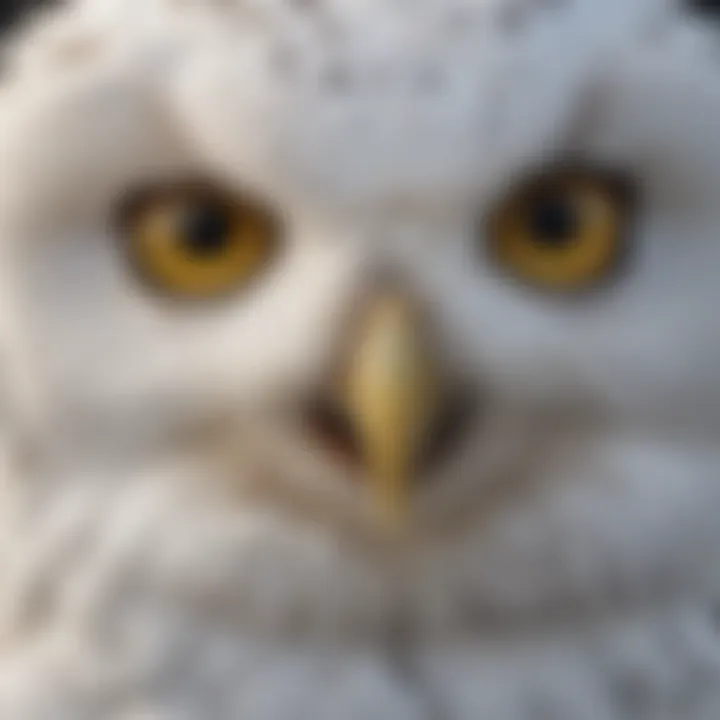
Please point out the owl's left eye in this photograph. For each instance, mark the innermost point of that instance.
(197, 242)
(563, 231)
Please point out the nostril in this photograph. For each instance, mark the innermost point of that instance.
(449, 432)
(334, 430)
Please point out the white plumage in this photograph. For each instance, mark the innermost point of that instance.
(176, 544)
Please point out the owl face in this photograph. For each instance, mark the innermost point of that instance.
(376, 306)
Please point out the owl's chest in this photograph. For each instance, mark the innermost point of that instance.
(645, 672)
(649, 668)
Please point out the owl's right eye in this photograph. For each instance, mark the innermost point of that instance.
(563, 231)
(197, 242)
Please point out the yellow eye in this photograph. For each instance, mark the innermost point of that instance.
(564, 232)
(196, 242)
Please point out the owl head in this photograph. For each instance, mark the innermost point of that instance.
(332, 308)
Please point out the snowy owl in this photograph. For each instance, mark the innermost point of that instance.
(359, 361)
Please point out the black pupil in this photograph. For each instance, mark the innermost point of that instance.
(554, 222)
(205, 230)
(707, 7)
